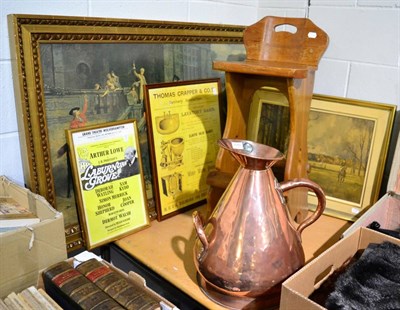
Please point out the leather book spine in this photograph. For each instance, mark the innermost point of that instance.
(128, 294)
(71, 290)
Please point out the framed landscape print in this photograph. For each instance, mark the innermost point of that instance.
(102, 64)
(347, 145)
(108, 177)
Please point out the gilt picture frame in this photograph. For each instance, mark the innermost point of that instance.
(347, 139)
(184, 126)
(62, 59)
(108, 180)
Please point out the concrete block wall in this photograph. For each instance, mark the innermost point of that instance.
(362, 60)
(363, 56)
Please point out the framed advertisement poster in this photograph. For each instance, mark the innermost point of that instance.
(108, 180)
(184, 127)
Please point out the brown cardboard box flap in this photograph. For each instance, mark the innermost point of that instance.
(297, 288)
(24, 251)
(386, 212)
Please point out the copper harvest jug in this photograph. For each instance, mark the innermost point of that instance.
(249, 244)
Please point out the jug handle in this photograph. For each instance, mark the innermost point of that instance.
(198, 225)
(302, 182)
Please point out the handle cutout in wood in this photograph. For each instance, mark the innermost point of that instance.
(286, 28)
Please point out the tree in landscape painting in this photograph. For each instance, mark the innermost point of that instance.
(359, 143)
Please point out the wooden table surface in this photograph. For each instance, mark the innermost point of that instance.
(167, 249)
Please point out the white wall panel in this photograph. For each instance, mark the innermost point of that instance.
(336, 3)
(331, 77)
(222, 13)
(301, 12)
(10, 158)
(8, 116)
(374, 83)
(362, 35)
(252, 3)
(283, 3)
(176, 10)
(379, 3)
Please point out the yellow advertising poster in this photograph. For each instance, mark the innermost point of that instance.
(107, 174)
(185, 128)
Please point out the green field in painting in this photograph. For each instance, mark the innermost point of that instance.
(326, 175)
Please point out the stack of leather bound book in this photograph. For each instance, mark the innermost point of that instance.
(95, 285)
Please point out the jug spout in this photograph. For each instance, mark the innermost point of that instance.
(251, 155)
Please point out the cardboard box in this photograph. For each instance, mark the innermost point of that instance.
(386, 211)
(297, 288)
(132, 277)
(25, 251)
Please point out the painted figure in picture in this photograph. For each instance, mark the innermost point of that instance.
(175, 78)
(132, 96)
(110, 86)
(115, 80)
(141, 81)
(78, 120)
(342, 173)
(79, 117)
(132, 165)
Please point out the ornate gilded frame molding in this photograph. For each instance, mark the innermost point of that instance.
(28, 32)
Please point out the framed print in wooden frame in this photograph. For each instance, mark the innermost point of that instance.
(61, 59)
(108, 180)
(348, 142)
(184, 126)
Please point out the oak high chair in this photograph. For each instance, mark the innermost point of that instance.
(282, 53)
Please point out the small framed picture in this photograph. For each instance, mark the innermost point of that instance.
(107, 172)
(184, 126)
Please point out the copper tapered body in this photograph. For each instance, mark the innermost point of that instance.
(248, 245)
